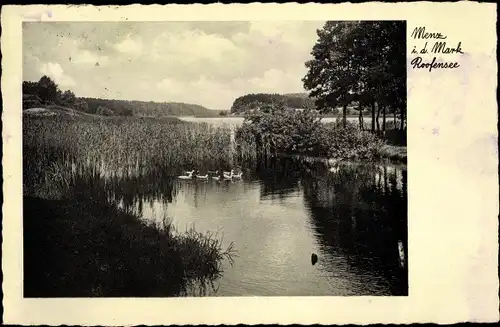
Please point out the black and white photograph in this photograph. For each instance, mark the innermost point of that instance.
(226, 164)
(214, 158)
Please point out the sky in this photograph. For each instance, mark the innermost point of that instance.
(205, 63)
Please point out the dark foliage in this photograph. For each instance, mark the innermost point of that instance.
(360, 61)
(260, 101)
(302, 132)
(46, 92)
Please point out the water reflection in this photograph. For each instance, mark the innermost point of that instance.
(359, 216)
(351, 215)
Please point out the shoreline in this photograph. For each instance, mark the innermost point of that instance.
(392, 154)
(110, 249)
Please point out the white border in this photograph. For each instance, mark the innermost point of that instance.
(452, 179)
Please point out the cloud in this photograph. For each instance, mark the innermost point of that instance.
(274, 80)
(191, 46)
(212, 93)
(56, 72)
(206, 63)
(172, 87)
(129, 46)
(90, 58)
(203, 91)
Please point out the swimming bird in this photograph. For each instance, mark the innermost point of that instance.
(217, 175)
(202, 176)
(314, 258)
(189, 175)
(237, 176)
(228, 175)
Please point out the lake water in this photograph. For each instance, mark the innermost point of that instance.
(237, 121)
(352, 216)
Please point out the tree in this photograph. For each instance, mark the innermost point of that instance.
(331, 78)
(257, 101)
(104, 111)
(67, 98)
(81, 104)
(30, 88)
(363, 61)
(47, 90)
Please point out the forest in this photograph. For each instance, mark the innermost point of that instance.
(46, 92)
(260, 101)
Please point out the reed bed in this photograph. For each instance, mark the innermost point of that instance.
(76, 171)
(130, 144)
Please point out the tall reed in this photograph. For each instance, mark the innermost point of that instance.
(125, 145)
(77, 171)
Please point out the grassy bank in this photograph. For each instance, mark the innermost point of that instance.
(82, 249)
(77, 241)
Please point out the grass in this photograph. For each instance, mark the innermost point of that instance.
(77, 241)
(395, 153)
(126, 144)
(84, 249)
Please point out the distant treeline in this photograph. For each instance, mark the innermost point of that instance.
(261, 101)
(150, 108)
(46, 92)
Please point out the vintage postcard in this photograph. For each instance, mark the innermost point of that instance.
(262, 163)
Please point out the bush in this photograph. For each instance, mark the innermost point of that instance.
(302, 133)
(350, 142)
(104, 111)
(282, 131)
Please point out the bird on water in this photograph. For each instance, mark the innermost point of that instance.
(314, 258)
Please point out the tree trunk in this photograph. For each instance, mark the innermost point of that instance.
(383, 119)
(378, 115)
(395, 119)
(361, 122)
(344, 115)
(373, 116)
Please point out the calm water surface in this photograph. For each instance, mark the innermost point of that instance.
(352, 216)
(237, 121)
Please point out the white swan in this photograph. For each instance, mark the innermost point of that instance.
(188, 176)
(217, 176)
(237, 176)
(228, 175)
(202, 176)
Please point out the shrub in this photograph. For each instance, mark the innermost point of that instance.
(302, 133)
(350, 142)
(104, 111)
(282, 131)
